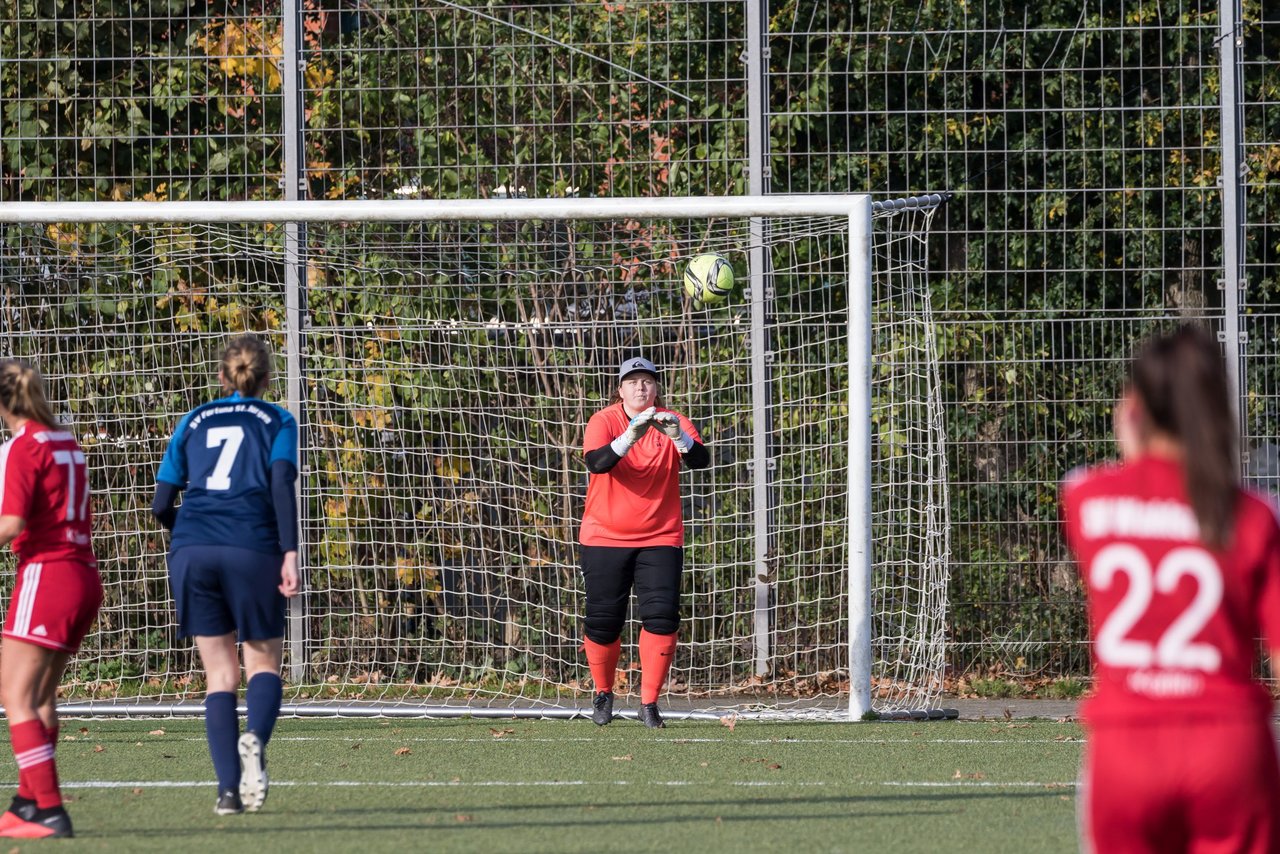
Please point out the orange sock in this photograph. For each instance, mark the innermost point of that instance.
(603, 660)
(656, 654)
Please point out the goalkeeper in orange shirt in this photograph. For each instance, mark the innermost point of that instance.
(632, 532)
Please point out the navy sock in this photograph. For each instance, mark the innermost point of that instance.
(222, 728)
(263, 699)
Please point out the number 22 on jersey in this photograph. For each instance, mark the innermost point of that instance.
(1175, 648)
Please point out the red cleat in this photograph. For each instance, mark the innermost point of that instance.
(46, 824)
(20, 810)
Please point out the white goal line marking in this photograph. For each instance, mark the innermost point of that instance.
(484, 784)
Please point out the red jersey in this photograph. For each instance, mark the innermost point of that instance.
(1174, 623)
(637, 502)
(43, 480)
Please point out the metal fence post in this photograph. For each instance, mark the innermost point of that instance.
(761, 423)
(295, 315)
(1233, 342)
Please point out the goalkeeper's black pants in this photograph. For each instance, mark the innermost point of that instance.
(610, 573)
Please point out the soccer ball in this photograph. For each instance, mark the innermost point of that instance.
(708, 278)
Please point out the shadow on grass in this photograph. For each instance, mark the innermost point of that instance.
(722, 810)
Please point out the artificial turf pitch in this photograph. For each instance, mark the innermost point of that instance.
(563, 786)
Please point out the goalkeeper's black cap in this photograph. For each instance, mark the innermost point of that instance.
(634, 365)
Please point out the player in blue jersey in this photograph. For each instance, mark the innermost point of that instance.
(233, 558)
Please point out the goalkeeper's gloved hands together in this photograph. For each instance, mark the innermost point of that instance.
(640, 425)
(669, 423)
(636, 428)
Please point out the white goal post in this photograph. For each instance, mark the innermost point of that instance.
(441, 358)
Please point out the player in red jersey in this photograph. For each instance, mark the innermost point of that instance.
(632, 532)
(45, 514)
(1182, 575)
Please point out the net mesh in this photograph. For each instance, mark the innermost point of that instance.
(448, 370)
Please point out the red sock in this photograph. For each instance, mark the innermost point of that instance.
(603, 660)
(52, 735)
(34, 753)
(24, 785)
(656, 654)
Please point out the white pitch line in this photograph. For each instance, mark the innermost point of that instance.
(975, 784)
(487, 784)
(514, 739)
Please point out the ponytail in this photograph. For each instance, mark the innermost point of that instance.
(22, 392)
(1181, 381)
(246, 365)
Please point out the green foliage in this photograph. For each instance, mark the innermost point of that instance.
(1064, 689)
(109, 104)
(997, 689)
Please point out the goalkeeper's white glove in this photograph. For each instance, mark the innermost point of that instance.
(669, 423)
(636, 428)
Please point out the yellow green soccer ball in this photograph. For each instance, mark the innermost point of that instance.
(708, 278)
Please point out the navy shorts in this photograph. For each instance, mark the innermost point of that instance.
(221, 589)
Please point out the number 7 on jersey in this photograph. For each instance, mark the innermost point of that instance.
(74, 462)
(229, 438)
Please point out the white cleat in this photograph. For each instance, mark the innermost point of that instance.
(253, 776)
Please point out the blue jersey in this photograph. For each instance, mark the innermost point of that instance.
(221, 454)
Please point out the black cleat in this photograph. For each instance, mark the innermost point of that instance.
(649, 716)
(602, 708)
(228, 803)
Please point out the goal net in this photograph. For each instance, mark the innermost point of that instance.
(442, 371)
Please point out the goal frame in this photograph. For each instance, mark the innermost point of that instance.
(859, 209)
